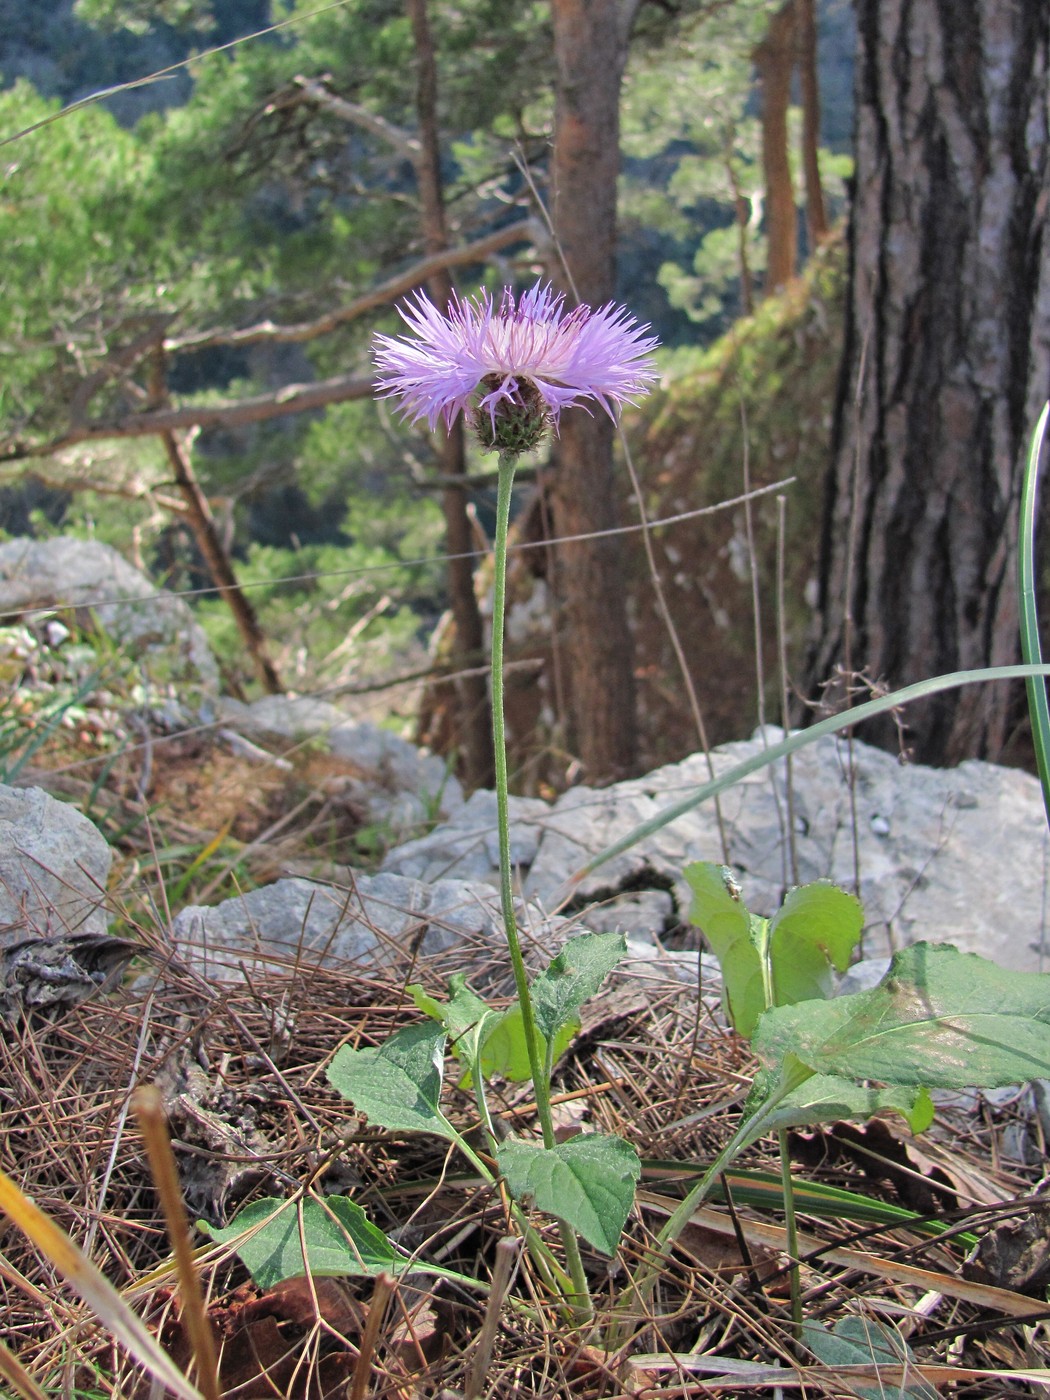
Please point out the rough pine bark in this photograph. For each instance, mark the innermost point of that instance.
(590, 42)
(947, 357)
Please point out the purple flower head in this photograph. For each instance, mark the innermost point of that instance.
(529, 359)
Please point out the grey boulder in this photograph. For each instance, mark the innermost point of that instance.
(54, 864)
(376, 922)
(93, 581)
(955, 855)
(393, 782)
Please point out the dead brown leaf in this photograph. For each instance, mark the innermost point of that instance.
(295, 1340)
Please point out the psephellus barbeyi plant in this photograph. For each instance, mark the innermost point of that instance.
(512, 369)
(938, 1019)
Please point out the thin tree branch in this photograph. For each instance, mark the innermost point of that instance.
(202, 524)
(138, 492)
(117, 362)
(414, 276)
(290, 399)
(402, 141)
(293, 398)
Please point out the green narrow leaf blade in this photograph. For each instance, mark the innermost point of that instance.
(939, 1018)
(340, 1240)
(1031, 650)
(724, 921)
(396, 1085)
(588, 1182)
(765, 1190)
(816, 929)
(573, 978)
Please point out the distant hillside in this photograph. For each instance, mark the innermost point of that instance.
(63, 57)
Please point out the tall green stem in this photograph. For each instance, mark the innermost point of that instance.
(634, 1299)
(540, 1078)
(550, 1271)
(765, 952)
(792, 1075)
(507, 463)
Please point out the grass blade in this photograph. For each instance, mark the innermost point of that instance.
(17, 1377)
(934, 686)
(1038, 708)
(764, 1190)
(96, 1290)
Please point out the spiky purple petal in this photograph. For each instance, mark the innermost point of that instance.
(569, 357)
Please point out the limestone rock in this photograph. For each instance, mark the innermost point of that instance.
(92, 579)
(958, 855)
(381, 921)
(468, 845)
(54, 865)
(394, 782)
(54, 947)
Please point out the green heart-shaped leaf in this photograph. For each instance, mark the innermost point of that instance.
(862, 1341)
(396, 1085)
(723, 919)
(815, 929)
(573, 978)
(588, 1182)
(340, 1240)
(826, 1098)
(939, 1018)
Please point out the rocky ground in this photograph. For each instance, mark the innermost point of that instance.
(213, 894)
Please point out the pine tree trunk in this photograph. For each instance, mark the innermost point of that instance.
(775, 62)
(590, 40)
(742, 218)
(947, 358)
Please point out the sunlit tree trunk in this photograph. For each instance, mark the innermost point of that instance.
(590, 41)
(947, 357)
(742, 219)
(775, 62)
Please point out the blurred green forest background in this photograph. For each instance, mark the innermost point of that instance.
(194, 266)
(218, 194)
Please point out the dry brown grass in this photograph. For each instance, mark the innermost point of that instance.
(251, 1114)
